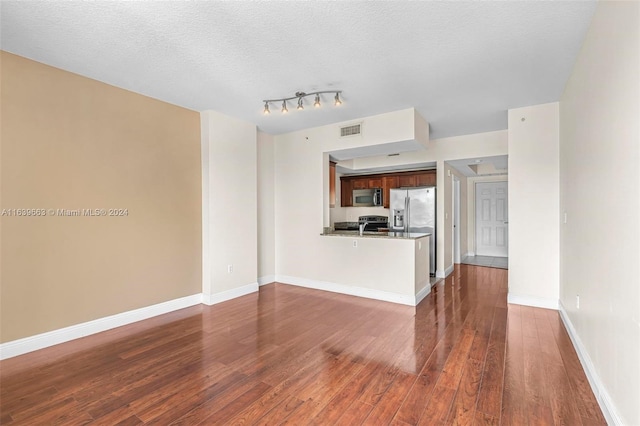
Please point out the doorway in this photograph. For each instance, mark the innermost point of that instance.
(492, 219)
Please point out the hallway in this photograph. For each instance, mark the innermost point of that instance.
(488, 261)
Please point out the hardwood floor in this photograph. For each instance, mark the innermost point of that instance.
(295, 356)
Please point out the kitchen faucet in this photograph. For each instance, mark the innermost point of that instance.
(362, 226)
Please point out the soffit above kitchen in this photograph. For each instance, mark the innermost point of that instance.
(481, 166)
(461, 65)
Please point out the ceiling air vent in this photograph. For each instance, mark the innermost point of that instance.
(352, 130)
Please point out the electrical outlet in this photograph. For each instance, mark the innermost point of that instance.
(577, 301)
(419, 245)
(355, 243)
(229, 268)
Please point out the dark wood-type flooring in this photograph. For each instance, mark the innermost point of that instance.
(290, 355)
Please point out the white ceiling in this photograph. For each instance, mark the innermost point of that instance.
(460, 64)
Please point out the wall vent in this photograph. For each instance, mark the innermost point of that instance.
(352, 130)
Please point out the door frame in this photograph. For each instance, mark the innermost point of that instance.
(456, 220)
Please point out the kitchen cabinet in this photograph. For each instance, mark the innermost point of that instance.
(375, 182)
(332, 184)
(407, 181)
(346, 192)
(388, 182)
(360, 183)
(426, 179)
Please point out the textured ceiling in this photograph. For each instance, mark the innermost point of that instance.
(460, 64)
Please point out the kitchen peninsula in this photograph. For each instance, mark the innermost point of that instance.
(391, 266)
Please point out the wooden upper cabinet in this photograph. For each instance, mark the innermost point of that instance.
(375, 183)
(346, 193)
(332, 184)
(426, 179)
(407, 181)
(388, 182)
(360, 183)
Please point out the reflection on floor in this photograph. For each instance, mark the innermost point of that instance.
(489, 261)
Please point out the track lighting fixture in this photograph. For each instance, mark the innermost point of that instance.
(300, 97)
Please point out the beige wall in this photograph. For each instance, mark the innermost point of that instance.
(534, 216)
(69, 142)
(266, 208)
(600, 192)
(229, 207)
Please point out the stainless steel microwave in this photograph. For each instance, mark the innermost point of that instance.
(367, 197)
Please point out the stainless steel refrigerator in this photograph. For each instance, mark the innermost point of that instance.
(414, 210)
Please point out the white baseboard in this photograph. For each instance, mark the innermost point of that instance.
(424, 292)
(536, 302)
(267, 279)
(223, 296)
(50, 338)
(599, 390)
(449, 270)
(347, 289)
(446, 273)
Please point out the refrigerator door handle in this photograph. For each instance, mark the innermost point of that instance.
(407, 213)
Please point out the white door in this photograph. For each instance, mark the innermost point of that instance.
(492, 219)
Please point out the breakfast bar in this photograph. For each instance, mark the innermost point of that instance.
(391, 266)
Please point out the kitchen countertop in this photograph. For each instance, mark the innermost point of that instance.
(371, 234)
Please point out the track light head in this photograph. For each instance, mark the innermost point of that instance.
(337, 98)
(266, 108)
(317, 102)
(284, 107)
(300, 106)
